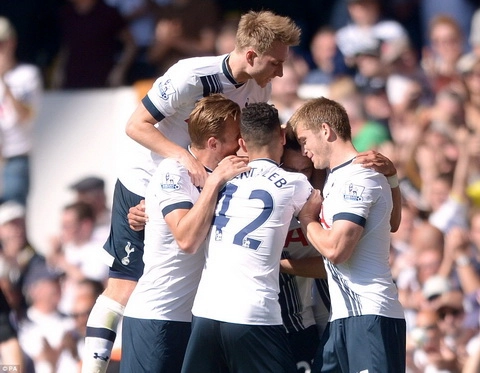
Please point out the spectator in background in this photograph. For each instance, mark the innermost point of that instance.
(367, 134)
(367, 24)
(453, 323)
(41, 334)
(446, 46)
(141, 18)
(285, 93)
(10, 351)
(75, 254)
(20, 92)
(370, 78)
(19, 261)
(424, 262)
(462, 263)
(327, 59)
(91, 32)
(469, 68)
(427, 350)
(227, 33)
(444, 177)
(474, 37)
(185, 28)
(91, 190)
(71, 350)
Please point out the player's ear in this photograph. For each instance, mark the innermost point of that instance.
(242, 144)
(251, 54)
(212, 143)
(283, 133)
(327, 131)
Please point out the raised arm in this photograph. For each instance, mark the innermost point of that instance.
(140, 127)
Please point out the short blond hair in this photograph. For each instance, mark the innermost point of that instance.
(208, 118)
(320, 110)
(260, 29)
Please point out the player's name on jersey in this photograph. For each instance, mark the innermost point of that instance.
(273, 176)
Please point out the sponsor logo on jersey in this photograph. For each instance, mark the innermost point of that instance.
(170, 182)
(166, 89)
(352, 192)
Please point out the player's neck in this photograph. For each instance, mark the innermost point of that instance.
(205, 156)
(341, 153)
(264, 154)
(235, 64)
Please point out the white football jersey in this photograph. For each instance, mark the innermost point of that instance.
(240, 281)
(26, 85)
(362, 285)
(296, 298)
(171, 100)
(169, 282)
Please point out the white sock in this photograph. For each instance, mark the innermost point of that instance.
(102, 327)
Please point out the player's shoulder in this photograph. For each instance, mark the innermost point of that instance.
(198, 66)
(364, 174)
(170, 176)
(169, 166)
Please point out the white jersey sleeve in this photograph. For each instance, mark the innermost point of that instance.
(169, 282)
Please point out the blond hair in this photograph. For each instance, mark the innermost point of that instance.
(260, 29)
(208, 118)
(322, 110)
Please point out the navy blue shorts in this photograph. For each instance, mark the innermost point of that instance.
(304, 344)
(124, 244)
(218, 347)
(153, 345)
(362, 343)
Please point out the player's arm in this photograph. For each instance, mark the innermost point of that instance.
(137, 218)
(336, 244)
(305, 267)
(380, 163)
(140, 127)
(190, 226)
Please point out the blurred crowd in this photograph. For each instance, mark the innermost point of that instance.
(407, 72)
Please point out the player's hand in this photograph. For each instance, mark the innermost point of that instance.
(228, 168)
(311, 210)
(196, 170)
(137, 217)
(376, 161)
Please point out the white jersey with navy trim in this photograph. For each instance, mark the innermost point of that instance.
(240, 281)
(171, 100)
(362, 285)
(296, 297)
(169, 282)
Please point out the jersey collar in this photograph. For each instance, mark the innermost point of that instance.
(342, 165)
(194, 156)
(228, 74)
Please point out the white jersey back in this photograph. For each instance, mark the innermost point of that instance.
(362, 285)
(171, 100)
(169, 282)
(240, 281)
